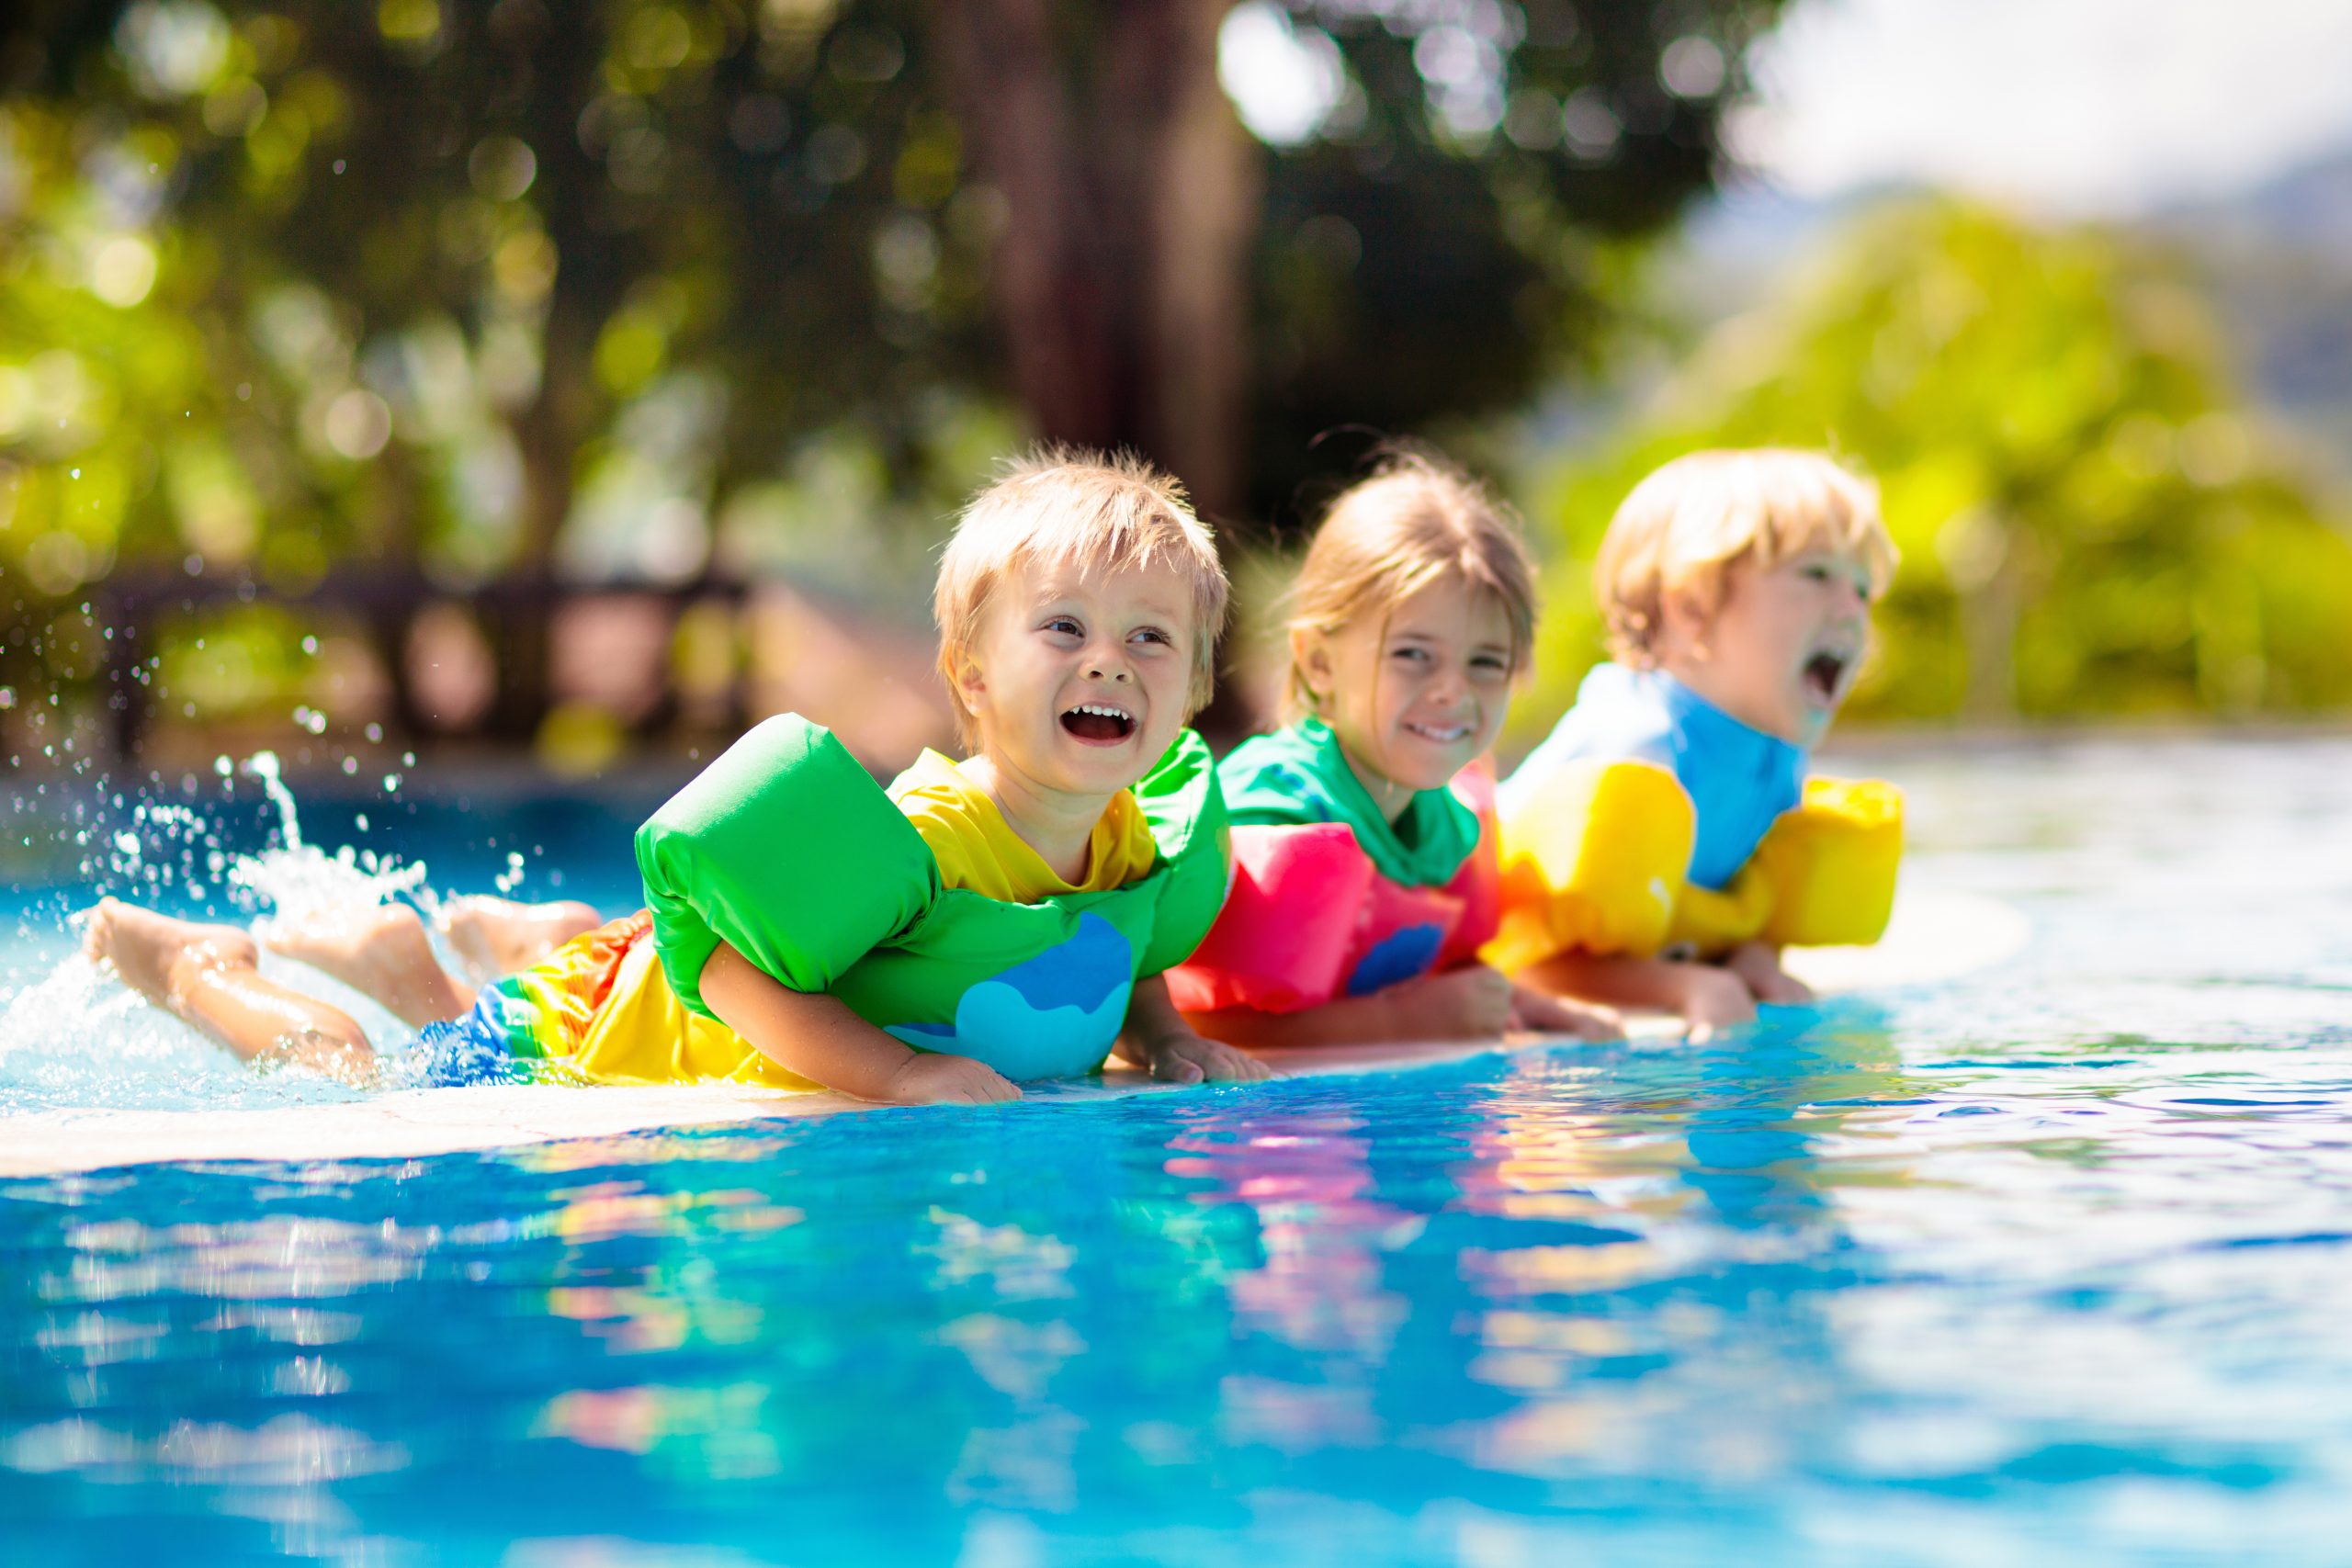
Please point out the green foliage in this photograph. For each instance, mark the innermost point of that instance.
(480, 287)
(2089, 524)
(1465, 223)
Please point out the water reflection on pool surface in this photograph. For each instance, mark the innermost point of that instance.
(2045, 1265)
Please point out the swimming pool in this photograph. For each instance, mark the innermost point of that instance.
(2045, 1266)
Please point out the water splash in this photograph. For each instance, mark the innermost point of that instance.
(76, 1037)
(297, 881)
(79, 1038)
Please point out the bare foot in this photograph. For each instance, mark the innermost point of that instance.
(154, 955)
(499, 936)
(380, 951)
(204, 976)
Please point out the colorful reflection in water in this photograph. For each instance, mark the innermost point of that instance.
(2047, 1266)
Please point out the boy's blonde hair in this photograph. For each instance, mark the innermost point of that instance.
(1387, 537)
(1685, 526)
(1061, 506)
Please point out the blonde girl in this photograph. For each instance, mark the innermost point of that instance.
(1365, 873)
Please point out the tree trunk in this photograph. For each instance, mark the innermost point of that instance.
(549, 429)
(549, 433)
(1202, 194)
(1131, 195)
(395, 548)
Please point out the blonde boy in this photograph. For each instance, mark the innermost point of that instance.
(980, 923)
(1078, 603)
(1662, 844)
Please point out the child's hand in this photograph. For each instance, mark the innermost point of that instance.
(931, 1077)
(1473, 1002)
(1534, 1012)
(1759, 964)
(1714, 1000)
(1188, 1058)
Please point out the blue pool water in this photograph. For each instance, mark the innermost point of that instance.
(2050, 1265)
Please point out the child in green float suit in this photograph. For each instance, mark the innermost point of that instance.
(1000, 919)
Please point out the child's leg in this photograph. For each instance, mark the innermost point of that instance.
(498, 936)
(382, 951)
(205, 975)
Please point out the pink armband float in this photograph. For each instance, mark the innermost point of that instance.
(1309, 919)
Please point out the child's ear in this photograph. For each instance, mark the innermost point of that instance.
(968, 684)
(1686, 620)
(1311, 657)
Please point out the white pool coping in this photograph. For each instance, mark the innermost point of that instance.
(1932, 938)
(417, 1123)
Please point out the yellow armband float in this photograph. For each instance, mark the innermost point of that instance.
(1710, 920)
(1832, 863)
(1598, 862)
(1593, 861)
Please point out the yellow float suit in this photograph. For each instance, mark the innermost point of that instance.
(1653, 822)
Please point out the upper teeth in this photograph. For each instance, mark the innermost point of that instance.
(1101, 709)
(1442, 731)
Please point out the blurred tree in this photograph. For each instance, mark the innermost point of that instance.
(469, 282)
(2090, 524)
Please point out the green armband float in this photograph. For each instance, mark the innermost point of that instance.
(785, 849)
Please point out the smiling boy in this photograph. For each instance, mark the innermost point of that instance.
(979, 924)
(1001, 918)
(1664, 843)
(1078, 603)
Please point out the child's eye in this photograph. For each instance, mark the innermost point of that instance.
(1488, 663)
(1421, 655)
(1153, 634)
(1066, 625)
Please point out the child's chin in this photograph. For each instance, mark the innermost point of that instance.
(1436, 772)
(1115, 765)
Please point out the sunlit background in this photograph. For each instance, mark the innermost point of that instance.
(492, 378)
(489, 408)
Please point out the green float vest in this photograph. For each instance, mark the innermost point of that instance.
(786, 848)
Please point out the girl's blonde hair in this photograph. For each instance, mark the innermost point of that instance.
(1388, 536)
(1685, 526)
(1061, 506)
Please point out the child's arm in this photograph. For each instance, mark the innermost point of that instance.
(1462, 1005)
(1758, 964)
(1158, 1037)
(1474, 1002)
(1540, 1012)
(817, 1036)
(1711, 999)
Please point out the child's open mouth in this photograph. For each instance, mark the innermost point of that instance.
(1441, 734)
(1099, 724)
(1825, 677)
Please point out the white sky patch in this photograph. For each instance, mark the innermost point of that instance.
(2077, 106)
(1284, 79)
